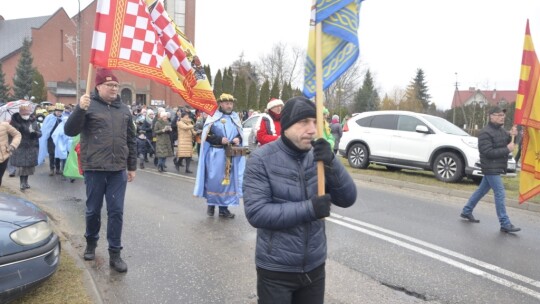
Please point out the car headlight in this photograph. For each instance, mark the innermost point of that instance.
(471, 142)
(32, 234)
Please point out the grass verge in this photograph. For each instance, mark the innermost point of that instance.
(511, 184)
(64, 287)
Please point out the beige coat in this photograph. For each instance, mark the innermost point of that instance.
(185, 137)
(7, 130)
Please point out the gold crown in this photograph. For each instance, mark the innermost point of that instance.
(226, 97)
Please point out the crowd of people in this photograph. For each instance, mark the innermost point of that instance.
(277, 177)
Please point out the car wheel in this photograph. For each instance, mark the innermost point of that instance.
(448, 167)
(393, 169)
(358, 156)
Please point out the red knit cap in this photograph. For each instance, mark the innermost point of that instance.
(104, 75)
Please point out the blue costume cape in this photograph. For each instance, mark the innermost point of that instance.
(46, 128)
(211, 167)
(62, 142)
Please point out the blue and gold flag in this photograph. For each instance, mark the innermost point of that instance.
(340, 47)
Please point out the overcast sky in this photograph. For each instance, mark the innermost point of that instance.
(480, 40)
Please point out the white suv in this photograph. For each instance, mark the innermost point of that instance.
(401, 139)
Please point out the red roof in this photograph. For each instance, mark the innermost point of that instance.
(493, 97)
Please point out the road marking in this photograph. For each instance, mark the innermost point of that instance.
(168, 174)
(343, 221)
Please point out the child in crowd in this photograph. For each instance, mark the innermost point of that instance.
(144, 146)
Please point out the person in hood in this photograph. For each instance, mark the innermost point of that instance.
(108, 158)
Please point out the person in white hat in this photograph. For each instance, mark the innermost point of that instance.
(269, 128)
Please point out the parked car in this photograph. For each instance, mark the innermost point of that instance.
(402, 139)
(247, 127)
(29, 249)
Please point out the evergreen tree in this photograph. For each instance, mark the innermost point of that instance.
(38, 87)
(208, 73)
(274, 92)
(367, 97)
(228, 81)
(240, 93)
(22, 81)
(252, 97)
(264, 95)
(286, 91)
(218, 84)
(419, 87)
(4, 88)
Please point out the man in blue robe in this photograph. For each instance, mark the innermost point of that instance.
(219, 177)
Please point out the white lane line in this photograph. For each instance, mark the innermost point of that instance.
(485, 265)
(436, 256)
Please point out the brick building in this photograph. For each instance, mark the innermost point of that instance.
(53, 48)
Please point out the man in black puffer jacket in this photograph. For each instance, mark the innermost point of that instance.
(281, 201)
(108, 148)
(494, 144)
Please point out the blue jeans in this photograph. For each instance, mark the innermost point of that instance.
(111, 185)
(490, 182)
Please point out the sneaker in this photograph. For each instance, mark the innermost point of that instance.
(226, 214)
(470, 218)
(510, 228)
(210, 210)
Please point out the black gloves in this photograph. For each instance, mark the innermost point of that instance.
(321, 205)
(322, 151)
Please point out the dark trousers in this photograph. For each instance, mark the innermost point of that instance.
(284, 287)
(3, 167)
(111, 185)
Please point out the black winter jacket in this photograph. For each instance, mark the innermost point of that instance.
(108, 140)
(492, 144)
(26, 155)
(278, 185)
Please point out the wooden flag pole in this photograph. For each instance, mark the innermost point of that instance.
(89, 78)
(319, 101)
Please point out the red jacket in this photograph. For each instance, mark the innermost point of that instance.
(265, 133)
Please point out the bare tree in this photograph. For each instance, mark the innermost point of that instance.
(340, 95)
(282, 63)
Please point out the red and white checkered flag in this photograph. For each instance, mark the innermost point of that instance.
(138, 42)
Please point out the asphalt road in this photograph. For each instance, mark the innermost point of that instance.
(395, 245)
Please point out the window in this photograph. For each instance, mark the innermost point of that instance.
(384, 122)
(408, 123)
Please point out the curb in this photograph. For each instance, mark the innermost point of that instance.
(443, 191)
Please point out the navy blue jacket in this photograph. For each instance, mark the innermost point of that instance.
(278, 186)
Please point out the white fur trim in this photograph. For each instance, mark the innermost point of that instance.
(274, 103)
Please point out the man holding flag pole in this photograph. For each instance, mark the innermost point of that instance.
(287, 194)
(138, 37)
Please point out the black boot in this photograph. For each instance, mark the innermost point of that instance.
(188, 161)
(159, 168)
(141, 165)
(224, 212)
(26, 185)
(210, 210)
(116, 261)
(21, 182)
(90, 251)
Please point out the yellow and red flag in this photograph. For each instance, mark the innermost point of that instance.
(528, 115)
(130, 37)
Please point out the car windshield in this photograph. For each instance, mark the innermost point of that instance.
(445, 126)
